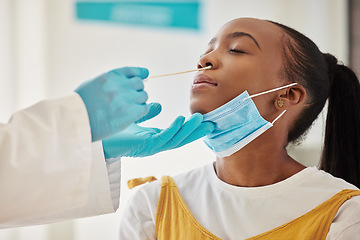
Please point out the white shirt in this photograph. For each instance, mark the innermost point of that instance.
(50, 170)
(232, 212)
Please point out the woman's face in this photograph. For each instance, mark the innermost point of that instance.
(245, 54)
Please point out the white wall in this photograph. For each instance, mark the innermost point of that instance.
(6, 84)
(75, 51)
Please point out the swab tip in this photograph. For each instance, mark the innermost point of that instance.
(206, 68)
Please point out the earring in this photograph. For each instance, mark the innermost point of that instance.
(280, 103)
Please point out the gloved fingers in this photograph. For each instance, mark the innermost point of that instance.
(167, 134)
(132, 72)
(130, 97)
(139, 97)
(139, 111)
(144, 132)
(134, 131)
(121, 83)
(109, 100)
(136, 83)
(204, 129)
(128, 109)
(113, 81)
(154, 110)
(189, 126)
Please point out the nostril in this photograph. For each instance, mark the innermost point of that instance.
(209, 64)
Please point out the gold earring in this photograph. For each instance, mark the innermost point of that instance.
(280, 103)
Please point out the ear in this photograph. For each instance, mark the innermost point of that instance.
(290, 97)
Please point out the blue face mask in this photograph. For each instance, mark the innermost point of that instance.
(237, 123)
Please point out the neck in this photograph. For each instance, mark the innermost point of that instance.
(257, 165)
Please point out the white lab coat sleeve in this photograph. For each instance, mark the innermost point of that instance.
(103, 192)
(49, 169)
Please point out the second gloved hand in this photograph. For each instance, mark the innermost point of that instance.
(137, 141)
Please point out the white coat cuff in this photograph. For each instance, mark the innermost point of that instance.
(106, 174)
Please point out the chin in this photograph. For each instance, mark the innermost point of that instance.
(199, 107)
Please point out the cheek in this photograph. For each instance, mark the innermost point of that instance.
(205, 102)
(243, 79)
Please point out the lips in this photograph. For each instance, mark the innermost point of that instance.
(203, 79)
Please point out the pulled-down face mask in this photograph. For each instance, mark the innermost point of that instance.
(237, 123)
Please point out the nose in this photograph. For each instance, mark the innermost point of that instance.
(208, 59)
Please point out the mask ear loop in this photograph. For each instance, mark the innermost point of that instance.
(280, 115)
(269, 91)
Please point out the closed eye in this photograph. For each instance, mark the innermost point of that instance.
(237, 51)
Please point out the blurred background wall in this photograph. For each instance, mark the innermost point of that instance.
(46, 51)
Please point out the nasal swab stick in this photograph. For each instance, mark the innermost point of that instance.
(170, 74)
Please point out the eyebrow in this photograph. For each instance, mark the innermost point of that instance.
(236, 35)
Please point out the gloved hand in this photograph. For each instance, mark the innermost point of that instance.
(114, 100)
(137, 141)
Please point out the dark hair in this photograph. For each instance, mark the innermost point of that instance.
(323, 78)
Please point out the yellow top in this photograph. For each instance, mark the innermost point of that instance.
(174, 220)
(138, 181)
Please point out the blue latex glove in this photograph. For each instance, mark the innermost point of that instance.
(137, 141)
(114, 100)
